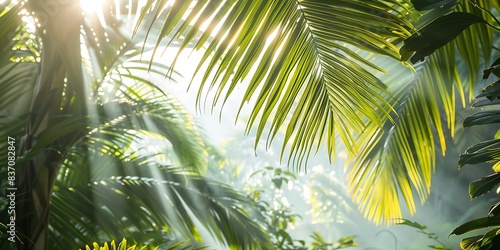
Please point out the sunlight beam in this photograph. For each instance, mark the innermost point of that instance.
(94, 7)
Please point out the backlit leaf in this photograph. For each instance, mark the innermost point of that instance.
(483, 185)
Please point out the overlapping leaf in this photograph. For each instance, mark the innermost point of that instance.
(482, 152)
(437, 34)
(399, 159)
(394, 159)
(168, 198)
(483, 185)
(134, 108)
(293, 55)
(124, 106)
(17, 78)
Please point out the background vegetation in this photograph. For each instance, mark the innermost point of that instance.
(352, 112)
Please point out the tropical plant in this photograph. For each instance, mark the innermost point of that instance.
(423, 230)
(483, 152)
(77, 115)
(306, 75)
(278, 218)
(400, 157)
(312, 70)
(123, 245)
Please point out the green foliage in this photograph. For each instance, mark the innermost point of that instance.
(484, 152)
(494, 68)
(124, 245)
(302, 68)
(278, 218)
(399, 158)
(436, 34)
(422, 229)
(320, 244)
(277, 175)
(132, 166)
(311, 83)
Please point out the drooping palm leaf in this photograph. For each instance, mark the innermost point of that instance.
(123, 105)
(157, 202)
(302, 75)
(402, 154)
(399, 159)
(140, 106)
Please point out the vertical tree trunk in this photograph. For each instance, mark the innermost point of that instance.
(54, 99)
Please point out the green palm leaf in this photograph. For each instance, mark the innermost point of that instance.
(397, 160)
(100, 154)
(124, 245)
(139, 110)
(17, 78)
(154, 203)
(303, 73)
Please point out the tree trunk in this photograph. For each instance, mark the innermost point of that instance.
(59, 93)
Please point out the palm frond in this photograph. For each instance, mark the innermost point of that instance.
(128, 98)
(153, 203)
(304, 76)
(124, 245)
(17, 77)
(160, 117)
(132, 109)
(124, 107)
(17, 72)
(398, 159)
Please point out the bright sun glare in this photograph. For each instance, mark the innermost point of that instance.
(89, 6)
(94, 6)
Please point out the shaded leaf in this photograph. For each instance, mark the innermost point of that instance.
(69, 125)
(492, 91)
(277, 182)
(484, 102)
(471, 242)
(483, 185)
(482, 118)
(494, 210)
(481, 152)
(437, 34)
(494, 68)
(477, 224)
